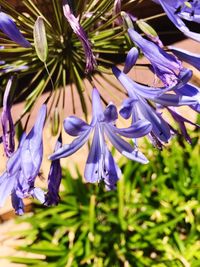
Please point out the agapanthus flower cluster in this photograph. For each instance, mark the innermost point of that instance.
(144, 104)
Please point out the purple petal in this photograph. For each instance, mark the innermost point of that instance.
(131, 59)
(7, 122)
(127, 107)
(111, 172)
(181, 121)
(175, 100)
(3, 177)
(38, 193)
(17, 204)
(75, 126)
(130, 86)
(136, 130)
(169, 7)
(184, 76)
(8, 26)
(81, 34)
(97, 109)
(14, 162)
(6, 188)
(93, 167)
(125, 148)
(54, 179)
(110, 113)
(117, 9)
(32, 148)
(22, 188)
(67, 150)
(165, 65)
(196, 107)
(189, 90)
(191, 58)
(159, 126)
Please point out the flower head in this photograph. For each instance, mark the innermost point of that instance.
(23, 167)
(142, 102)
(100, 164)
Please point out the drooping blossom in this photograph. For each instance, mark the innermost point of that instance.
(54, 179)
(142, 101)
(166, 66)
(8, 26)
(189, 57)
(177, 11)
(7, 122)
(23, 167)
(81, 34)
(100, 165)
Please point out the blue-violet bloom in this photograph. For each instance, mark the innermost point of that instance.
(138, 105)
(23, 167)
(100, 165)
(165, 66)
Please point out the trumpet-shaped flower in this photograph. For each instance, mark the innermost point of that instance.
(7, 122)
(100, 164)
(23, 167)
(138, 104)
(8, 26)
(165, 66)
(176, 10)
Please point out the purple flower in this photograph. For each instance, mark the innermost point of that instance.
(7, 122)
(184, 55)
(23, 167)
(54, 179)
(176, 10)
(8, 26)
(81, 34)
(164, 65)
(138, 104)
(100, 165)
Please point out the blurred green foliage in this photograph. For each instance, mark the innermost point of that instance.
(152, 219)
